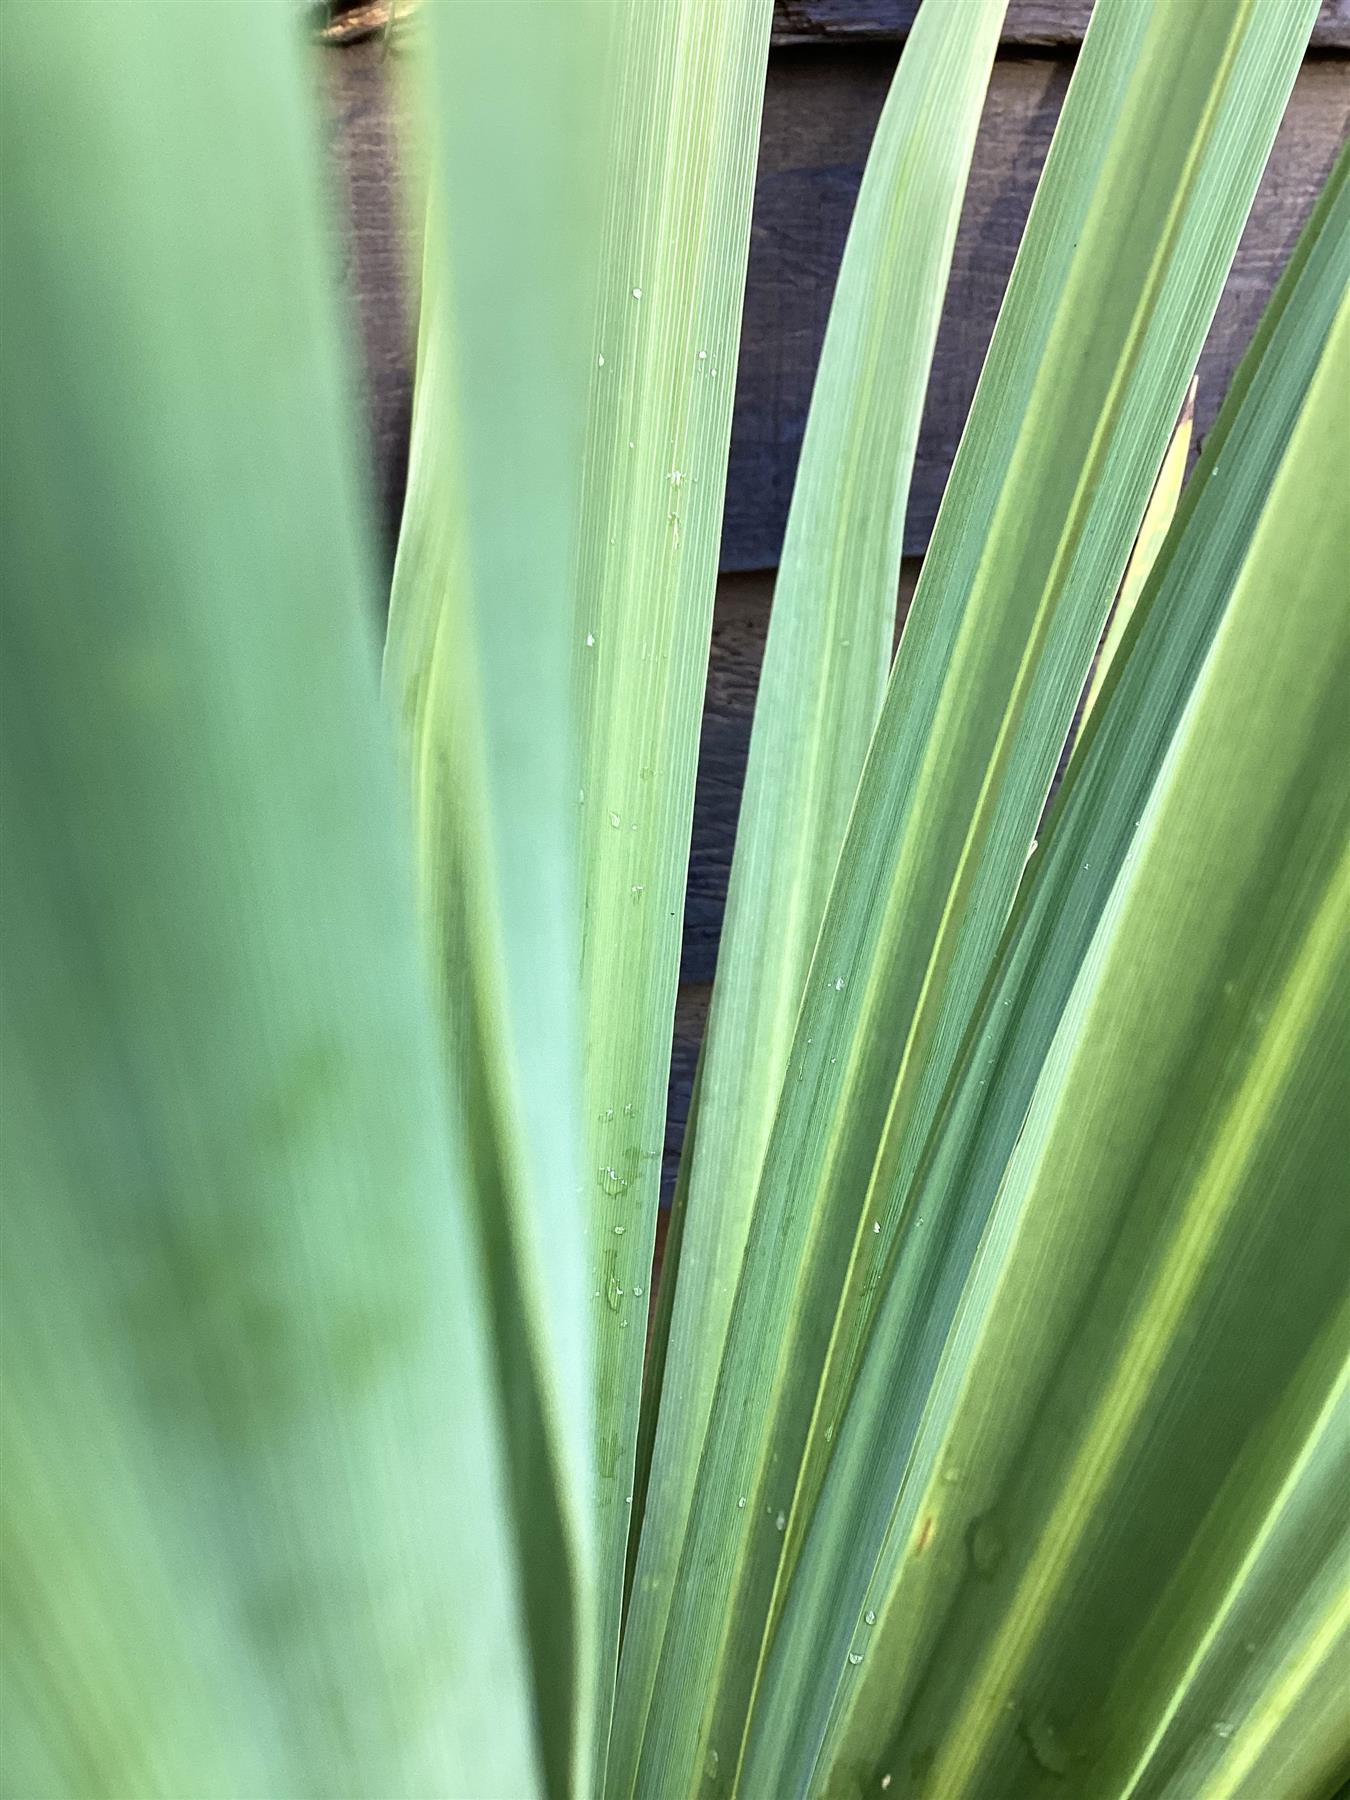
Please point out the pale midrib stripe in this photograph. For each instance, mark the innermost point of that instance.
(946, 939)
(1066, 545)
(1270, 1527)
(1281, 1700)
(1213, 1195)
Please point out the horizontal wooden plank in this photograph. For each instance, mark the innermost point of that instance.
(1035, 23)
(1047, 24)
(820, 111)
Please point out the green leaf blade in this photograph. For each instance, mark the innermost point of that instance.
(1136, 1209)
(689, 85)
(250, 1444)
(1157, 155)
(828, 650)
(478, 672)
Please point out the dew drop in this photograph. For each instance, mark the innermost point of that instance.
(590, 640)
(876, 1227)
(637, 293)
(1224, 1729)
(615, 820)
(985, 1544)
(855, 1657)
(703, 356)
(1046, 1745)
(637, 1291)
(740, 1504)
(619, 1230)
(838, 984)
(780, 1522)
(870, 1617)
(600, 360)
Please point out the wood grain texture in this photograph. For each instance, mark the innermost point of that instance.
(820, 110)
(1048, 23)
(377, 263)
(1033, 23)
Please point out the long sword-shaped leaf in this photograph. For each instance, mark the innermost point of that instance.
(1230, 1651)
(1156, 157)
(690, 77)
(1095, 817)
(250, 1468)
(825, 663)
(1159, 1257)
(478, 669)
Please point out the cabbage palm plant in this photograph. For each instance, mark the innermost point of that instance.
(992, 1435)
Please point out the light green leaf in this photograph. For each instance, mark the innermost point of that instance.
(1093, 824)
(478, 669)
(1154, 163)
(251, 1467)
(1232, 1658)
(825, 664)
(690, 77)
(1113, 1353)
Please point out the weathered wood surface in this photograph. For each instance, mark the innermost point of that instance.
(820, 110)
(1048, 23)
(379, 266)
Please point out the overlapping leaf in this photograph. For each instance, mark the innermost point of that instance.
(477, 669)
(251, 1465)
(923, 1520)
(1163, 136)
(689, 82)
(825, 664)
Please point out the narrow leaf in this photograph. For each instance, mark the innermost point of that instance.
(477, 668)
(1157, 155)
(250, 1460)
(1157, 521)
(825, 663)
(1116, 1348)
(690, 76)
